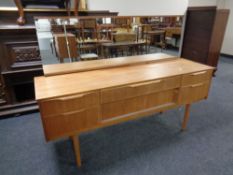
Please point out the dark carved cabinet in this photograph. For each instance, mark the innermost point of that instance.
(20, 62)
(204, 33)
(20, 59)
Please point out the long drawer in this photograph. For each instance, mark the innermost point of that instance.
(133, 90)
(69, 103)
(139, 103)
(66, 124)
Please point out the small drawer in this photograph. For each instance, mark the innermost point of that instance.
(196, 77)
(193, 93)
(66, 124)
(68, 104)
(133, 90)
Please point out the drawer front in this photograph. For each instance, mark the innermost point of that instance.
(194, 93)
(67, 124)
(68, 104)
(197, 77)
(139, 103)
(111, 95)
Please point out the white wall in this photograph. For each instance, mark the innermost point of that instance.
(227, 47)
(202, 2)
(140, 7)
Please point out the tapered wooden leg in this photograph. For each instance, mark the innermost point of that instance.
(76, 146)
(186, 117)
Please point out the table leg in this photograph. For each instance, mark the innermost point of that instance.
(186, 117)
(21, 19)
(76, 146)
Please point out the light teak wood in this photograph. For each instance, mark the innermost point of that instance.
(59, 69)
(76, 146)
(78, 102)
(186, 116)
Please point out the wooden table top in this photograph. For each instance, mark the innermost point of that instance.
(93, 41)
(127, 43)
(155, 32)
(82, 82)
(57, 69)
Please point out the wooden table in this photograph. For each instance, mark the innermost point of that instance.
(100, 96)
(134, 45)
(150, 36)
(90, 45)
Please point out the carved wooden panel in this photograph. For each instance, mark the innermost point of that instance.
(23, 55)
(2, 93)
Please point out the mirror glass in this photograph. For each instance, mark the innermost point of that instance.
(70, 39)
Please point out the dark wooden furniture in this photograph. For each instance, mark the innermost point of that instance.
(20, 58)
(66, 46)
(133, 46)
(204, 34)
(21, 4)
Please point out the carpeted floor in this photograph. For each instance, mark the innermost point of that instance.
(150, 146)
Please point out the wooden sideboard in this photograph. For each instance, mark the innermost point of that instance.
(20, 58)
(116, 90)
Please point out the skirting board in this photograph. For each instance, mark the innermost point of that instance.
(226, 55)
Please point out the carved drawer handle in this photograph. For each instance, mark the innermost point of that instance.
(146, 83)
(198, 73)
(71, 97)
(197, 85)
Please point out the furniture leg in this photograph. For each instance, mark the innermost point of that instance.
(76, 7)
(21, 19)
(68, 6)
(76, 146)
(186, 117)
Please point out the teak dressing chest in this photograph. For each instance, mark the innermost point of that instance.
(82, 96)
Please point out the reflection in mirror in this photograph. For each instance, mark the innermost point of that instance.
(64, 39)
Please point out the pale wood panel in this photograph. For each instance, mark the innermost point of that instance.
(69, 103)
(66, 124)
(58, 69)
(69, 84)
(196, 77)
(130, 116)
(138, 89)
(127, 106)
(193, 93)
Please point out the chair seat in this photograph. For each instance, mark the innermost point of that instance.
(89, 56)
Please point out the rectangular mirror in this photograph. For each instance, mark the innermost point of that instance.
(71, 39)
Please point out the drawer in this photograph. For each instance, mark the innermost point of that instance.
(194, 93)
(133, 90)
(196, 77)
(68, 104)
(67, 124)
(139, 103)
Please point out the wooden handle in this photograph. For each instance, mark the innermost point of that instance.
(71, 97)
(146, 83)
(197, 85)
(198, 73)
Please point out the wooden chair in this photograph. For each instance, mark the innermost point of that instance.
(66, 50)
